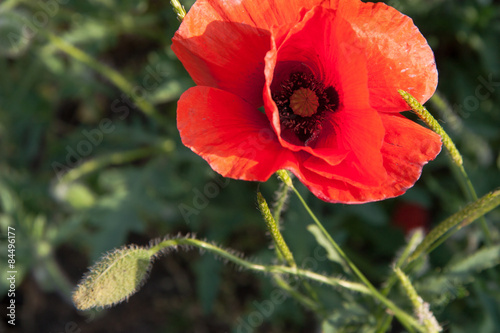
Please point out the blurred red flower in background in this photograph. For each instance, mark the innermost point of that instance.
(327, 74)
(409, 216)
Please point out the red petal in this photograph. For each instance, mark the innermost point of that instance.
(361, 133)
(230, 134)
(407, 148)
(398, 54)
(222, 44)
(354, 127)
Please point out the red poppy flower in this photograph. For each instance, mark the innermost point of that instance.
(327, 75)
(409, 216)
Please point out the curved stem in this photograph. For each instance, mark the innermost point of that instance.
(164, 245)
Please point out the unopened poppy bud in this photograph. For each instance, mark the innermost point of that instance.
(114, 278)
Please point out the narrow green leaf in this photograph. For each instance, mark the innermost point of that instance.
(483, 259)
(464, 217)
(449, 284)
(331, 253)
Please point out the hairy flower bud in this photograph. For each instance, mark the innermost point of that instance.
(114, 278)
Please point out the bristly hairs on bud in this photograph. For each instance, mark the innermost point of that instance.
(114, 278)
(120, 273)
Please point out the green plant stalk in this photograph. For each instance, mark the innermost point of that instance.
(429, 120)
(464, 217)
(415, 239)
(407, 320)
(386, 320)
(278, 208)
(273, 228)
(57, 276)
(114, 76)
(448, 143)
(280, 203)
(453, 121)
(115, 158)
(283, 193)
(178, 9)
(273, 269)
(427, 317)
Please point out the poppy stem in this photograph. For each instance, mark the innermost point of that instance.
(456, 157)
(187, 242)
(405, 319)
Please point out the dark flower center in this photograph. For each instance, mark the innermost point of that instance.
(303, 103)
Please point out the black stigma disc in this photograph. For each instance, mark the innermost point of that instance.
(306, 128)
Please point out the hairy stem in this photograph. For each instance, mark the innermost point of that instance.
(279, 269)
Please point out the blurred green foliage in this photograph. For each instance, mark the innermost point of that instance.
(82, 167)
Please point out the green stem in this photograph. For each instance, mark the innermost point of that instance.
(386, 319)
(115, 158)
(274, 269)
(429, 120)
(407, 320)
(455, 155)
(464, 217)
(282, 197)
(273, 228)
(280, 202)
(114, 76)
(415, 239)
(278, 208)
(419, 306)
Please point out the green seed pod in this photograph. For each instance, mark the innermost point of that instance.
(114, 278)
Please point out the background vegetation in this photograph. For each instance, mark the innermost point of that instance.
(84, 170)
